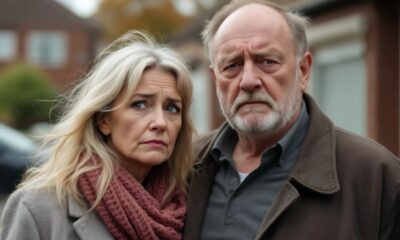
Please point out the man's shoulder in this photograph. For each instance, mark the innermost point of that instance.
(203, 142)
(366, 150)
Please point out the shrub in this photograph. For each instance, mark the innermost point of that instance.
(25, 96)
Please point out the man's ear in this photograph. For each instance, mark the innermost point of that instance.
(212, 73)
(305, 70)
(102, 123)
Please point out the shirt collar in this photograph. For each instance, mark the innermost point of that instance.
(224, 144)
(293, 139)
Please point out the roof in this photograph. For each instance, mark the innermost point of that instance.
(193, 32)
(43, 13)
(309, 8)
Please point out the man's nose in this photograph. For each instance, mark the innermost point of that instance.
(250, 78)
(158, 121)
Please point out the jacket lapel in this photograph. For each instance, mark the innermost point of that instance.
(200, 187)
(87, 225)
(284, 199)
(315, 167)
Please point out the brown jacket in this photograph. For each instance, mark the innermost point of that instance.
(341, 187)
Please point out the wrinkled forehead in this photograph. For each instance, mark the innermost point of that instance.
(251, 20)
(256, 45)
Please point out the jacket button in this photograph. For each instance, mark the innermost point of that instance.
(228, 221)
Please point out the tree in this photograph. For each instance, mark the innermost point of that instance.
(25, 96)
(158, 17)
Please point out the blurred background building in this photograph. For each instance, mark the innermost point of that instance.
(355, 44)
(45, 34)
(355, 77)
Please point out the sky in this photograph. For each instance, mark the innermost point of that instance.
(85, 8)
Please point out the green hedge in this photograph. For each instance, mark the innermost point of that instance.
(25, 96)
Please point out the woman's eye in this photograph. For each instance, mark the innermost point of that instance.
(173, 108)
(139, 105)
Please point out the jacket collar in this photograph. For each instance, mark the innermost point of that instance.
(316, 165)
(314, 169)
(87, 224)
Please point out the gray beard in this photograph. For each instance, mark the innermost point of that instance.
(269, 124)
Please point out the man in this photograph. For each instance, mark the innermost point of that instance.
(279, 168)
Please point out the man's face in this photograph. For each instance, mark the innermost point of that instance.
(259, 80)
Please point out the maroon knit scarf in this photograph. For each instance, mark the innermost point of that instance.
(131, 210)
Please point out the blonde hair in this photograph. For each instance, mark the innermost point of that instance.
(296, 22)
(75, 139)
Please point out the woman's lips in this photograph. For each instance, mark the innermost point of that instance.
(155, 143)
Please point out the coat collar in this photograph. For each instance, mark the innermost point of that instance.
(316, 165)
(87, 224)
(314, 169)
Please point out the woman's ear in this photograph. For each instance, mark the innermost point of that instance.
(102, 123)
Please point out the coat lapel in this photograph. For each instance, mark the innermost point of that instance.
(315, 167)
(87, 225)
(200, 187)
(284, 199)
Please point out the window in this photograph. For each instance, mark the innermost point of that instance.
(8, 45)
(47, 48)
(339, 80)
(201, 100)
(339, 84)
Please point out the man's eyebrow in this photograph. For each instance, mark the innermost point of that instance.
(266, 50)
(229, 57)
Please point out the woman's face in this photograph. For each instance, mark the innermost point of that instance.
(144, 130)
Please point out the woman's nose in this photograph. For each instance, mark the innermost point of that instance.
(158, 121)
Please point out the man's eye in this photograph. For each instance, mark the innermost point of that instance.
(139, 105)
(269, 65)
(173, 108)
(270, 61)
(231, 66)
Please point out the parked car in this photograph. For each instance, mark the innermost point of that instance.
(16, 152)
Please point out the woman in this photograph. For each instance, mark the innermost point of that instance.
(119, 157)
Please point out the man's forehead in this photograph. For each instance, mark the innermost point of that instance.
(254, 42)
(254, 46)
(249, 21)
(250, 17)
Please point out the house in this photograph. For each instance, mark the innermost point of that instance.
(355, 79)
(45, 34)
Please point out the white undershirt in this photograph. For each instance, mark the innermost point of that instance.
(242, 176)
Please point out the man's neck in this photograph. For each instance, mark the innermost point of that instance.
(249, 149)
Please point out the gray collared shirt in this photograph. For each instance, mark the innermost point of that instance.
(235, 209)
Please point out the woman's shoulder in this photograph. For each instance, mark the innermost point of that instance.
(36, 214)
(40, 204)
(33, 198)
